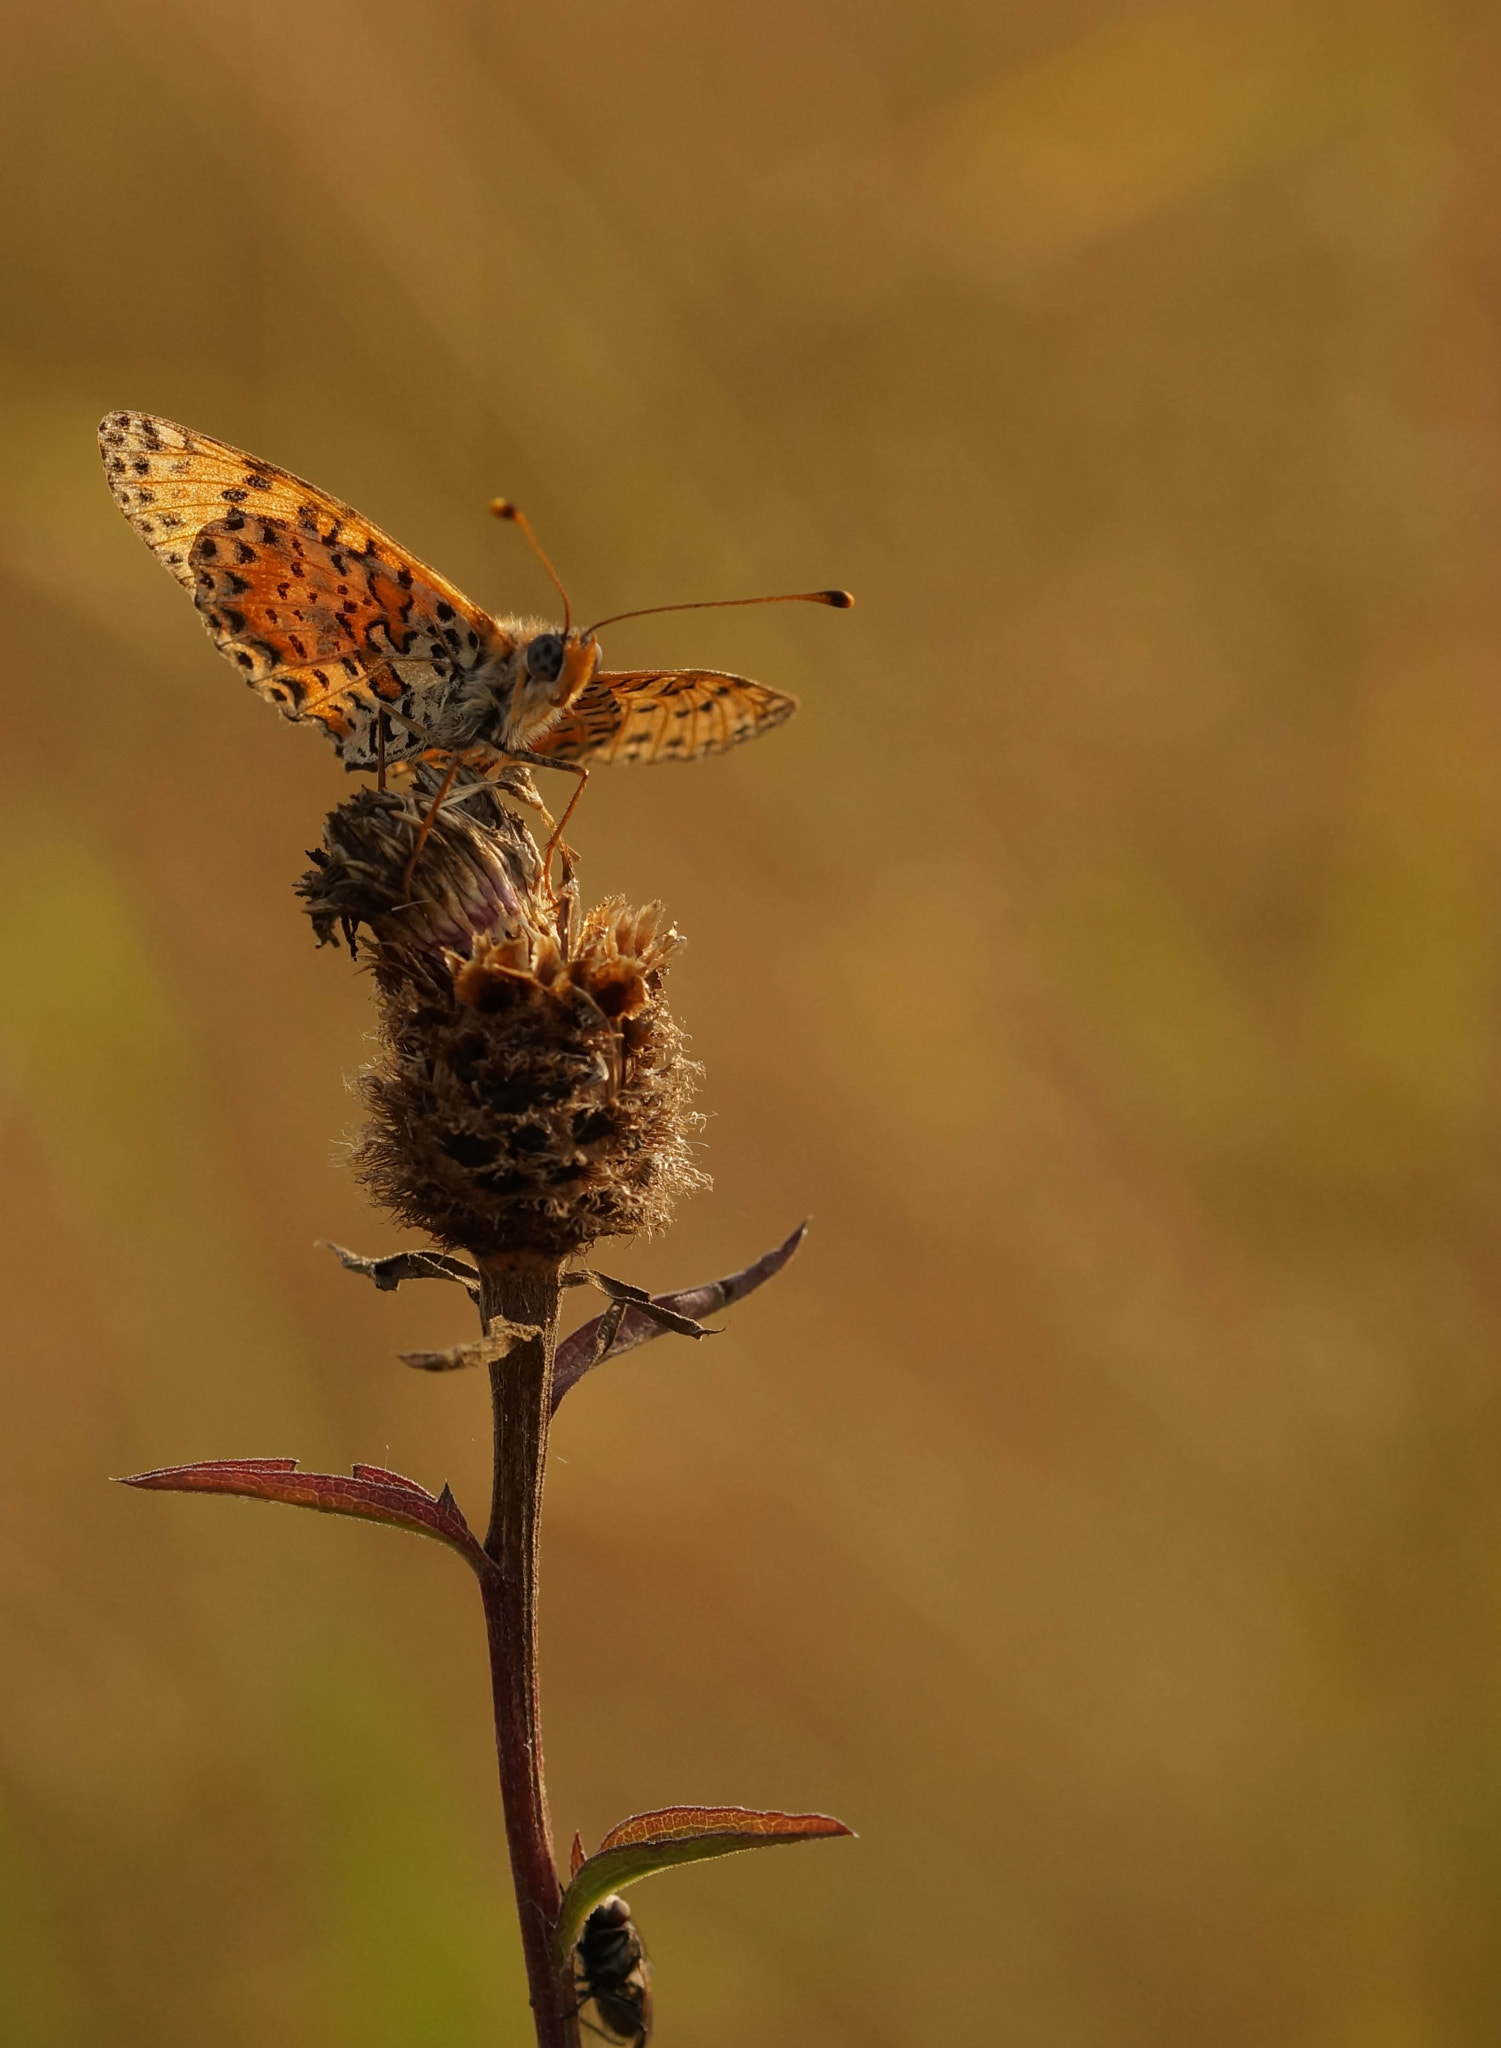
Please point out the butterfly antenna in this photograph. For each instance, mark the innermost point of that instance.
(839, 599)
(504, 509)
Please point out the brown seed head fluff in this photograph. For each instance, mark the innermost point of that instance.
(530, 1092)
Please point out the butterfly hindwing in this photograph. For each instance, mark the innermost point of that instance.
(322, 612)
(674, 714)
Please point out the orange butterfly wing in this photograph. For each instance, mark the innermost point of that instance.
(325, 615)
(668, 714)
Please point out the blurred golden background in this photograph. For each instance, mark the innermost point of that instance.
(1104, 1513)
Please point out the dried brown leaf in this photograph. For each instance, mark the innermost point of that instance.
(645, 1316)
(389, 1272)
(500, 1339)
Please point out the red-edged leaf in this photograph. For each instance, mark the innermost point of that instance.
(649, 1842)
(581, 1352)
(370, 1493)
(697, 1823)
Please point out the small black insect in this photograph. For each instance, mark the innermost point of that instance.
(610, 1967)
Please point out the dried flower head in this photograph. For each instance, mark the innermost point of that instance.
(530, 1092)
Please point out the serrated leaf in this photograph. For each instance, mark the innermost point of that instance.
(637, 1324)
(649, 1842)
(369, 1493)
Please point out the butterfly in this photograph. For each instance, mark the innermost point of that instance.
(335, 623)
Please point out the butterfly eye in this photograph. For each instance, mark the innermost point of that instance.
(544, 657)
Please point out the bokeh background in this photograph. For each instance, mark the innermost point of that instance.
(1104, 1513)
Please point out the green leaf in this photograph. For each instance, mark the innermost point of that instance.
(649, 1842)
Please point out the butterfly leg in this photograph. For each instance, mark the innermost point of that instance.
(427, 825)
(568, 809)
(547, 761)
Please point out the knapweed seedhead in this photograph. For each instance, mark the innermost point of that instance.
(530, 1093)
(490, 866)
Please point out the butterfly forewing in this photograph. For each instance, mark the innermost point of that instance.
(326, 615)
(672, 714)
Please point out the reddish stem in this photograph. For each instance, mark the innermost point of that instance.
(524, 1289)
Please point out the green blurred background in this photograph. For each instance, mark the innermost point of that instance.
(1104, 1513)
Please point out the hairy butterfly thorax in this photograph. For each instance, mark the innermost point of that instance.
(518, 696)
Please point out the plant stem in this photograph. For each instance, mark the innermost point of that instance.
(524, 1288)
